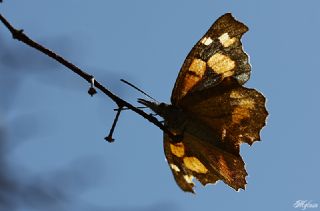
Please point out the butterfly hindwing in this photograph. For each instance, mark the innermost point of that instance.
(217, 55)
(235, 113)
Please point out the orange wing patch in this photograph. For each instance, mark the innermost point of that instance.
(194, 164)
(177, 149)
(222, 64)
(198, 67)
(195, 73)
(239, 114)
(244, 106)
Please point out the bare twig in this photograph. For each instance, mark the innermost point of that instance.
(109, 137)
(21, 36)
(125, 108)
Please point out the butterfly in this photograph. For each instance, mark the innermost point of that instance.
(210, 111)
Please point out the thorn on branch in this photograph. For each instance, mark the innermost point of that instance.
(17, 34)
(92, 91)
(109, 137)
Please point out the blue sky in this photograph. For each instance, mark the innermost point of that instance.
(52, 131)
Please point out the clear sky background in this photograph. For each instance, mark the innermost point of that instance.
(52, 152)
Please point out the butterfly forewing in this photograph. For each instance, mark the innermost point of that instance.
(217, 55)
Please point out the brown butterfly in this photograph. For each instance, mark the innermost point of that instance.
(211, 111)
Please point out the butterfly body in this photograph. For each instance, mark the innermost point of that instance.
(210, 111)
(179, 121)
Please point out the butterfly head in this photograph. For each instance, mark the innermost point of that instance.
(159, 108)
(167, 111)
(174, 117)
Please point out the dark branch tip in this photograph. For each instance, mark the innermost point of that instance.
(109, 139)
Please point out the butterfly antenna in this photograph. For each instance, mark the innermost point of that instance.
(133, 86)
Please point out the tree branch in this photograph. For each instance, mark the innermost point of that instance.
(21, 36)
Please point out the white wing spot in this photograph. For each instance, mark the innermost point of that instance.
(225, 40)
(206, 41)
(188, 178)
(174, 167)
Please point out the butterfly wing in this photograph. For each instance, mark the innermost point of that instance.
(193, 157)
(217, 55)
(218, 121)
(236, 114)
